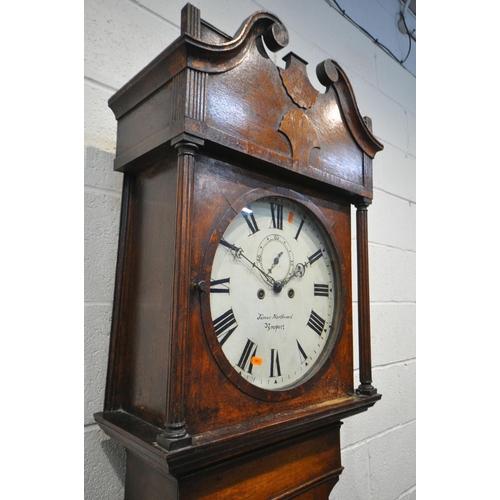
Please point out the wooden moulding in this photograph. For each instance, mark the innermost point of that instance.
(223, 445)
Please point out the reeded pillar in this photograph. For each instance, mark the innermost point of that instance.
(174, 435)
(365, 355)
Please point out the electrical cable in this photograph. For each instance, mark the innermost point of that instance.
(406, 6)
(375, 40)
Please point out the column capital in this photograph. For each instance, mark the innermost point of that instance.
(362, 203)
(187, 144)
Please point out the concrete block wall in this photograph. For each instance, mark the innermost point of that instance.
(121, 37)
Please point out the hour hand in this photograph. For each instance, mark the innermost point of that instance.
(239, 253)
(232, 247)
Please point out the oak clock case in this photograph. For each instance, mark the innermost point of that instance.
(274, 296)
(231, 353)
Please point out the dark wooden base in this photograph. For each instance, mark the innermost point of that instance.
(294, 455)
(305, 467)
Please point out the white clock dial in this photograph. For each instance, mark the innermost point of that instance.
(273, 293)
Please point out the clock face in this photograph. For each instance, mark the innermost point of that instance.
(274, 294)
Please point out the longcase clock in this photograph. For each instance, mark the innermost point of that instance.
(231, 357)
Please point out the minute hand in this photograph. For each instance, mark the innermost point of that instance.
(239, 253)
(300, 270)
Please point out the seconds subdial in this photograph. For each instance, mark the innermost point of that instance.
(275, 256)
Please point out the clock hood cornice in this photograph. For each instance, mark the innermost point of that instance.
(217, 54)
(209, 86)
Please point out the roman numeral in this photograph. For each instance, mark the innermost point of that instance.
(277, 215)
(223, 324)
(219, 286)
(275, 364)
(314, 257)
(302, 353)
(316, 322)
(300, 229)
(245, 362)
(250, 220)
(321, 290)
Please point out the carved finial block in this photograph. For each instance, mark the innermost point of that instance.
(296, 81)
(191, 21)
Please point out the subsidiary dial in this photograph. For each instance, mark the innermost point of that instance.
(275, 257)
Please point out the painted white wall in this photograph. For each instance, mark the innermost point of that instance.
(121, 37)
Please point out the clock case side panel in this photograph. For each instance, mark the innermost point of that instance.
(139, 361)
(212, 400)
